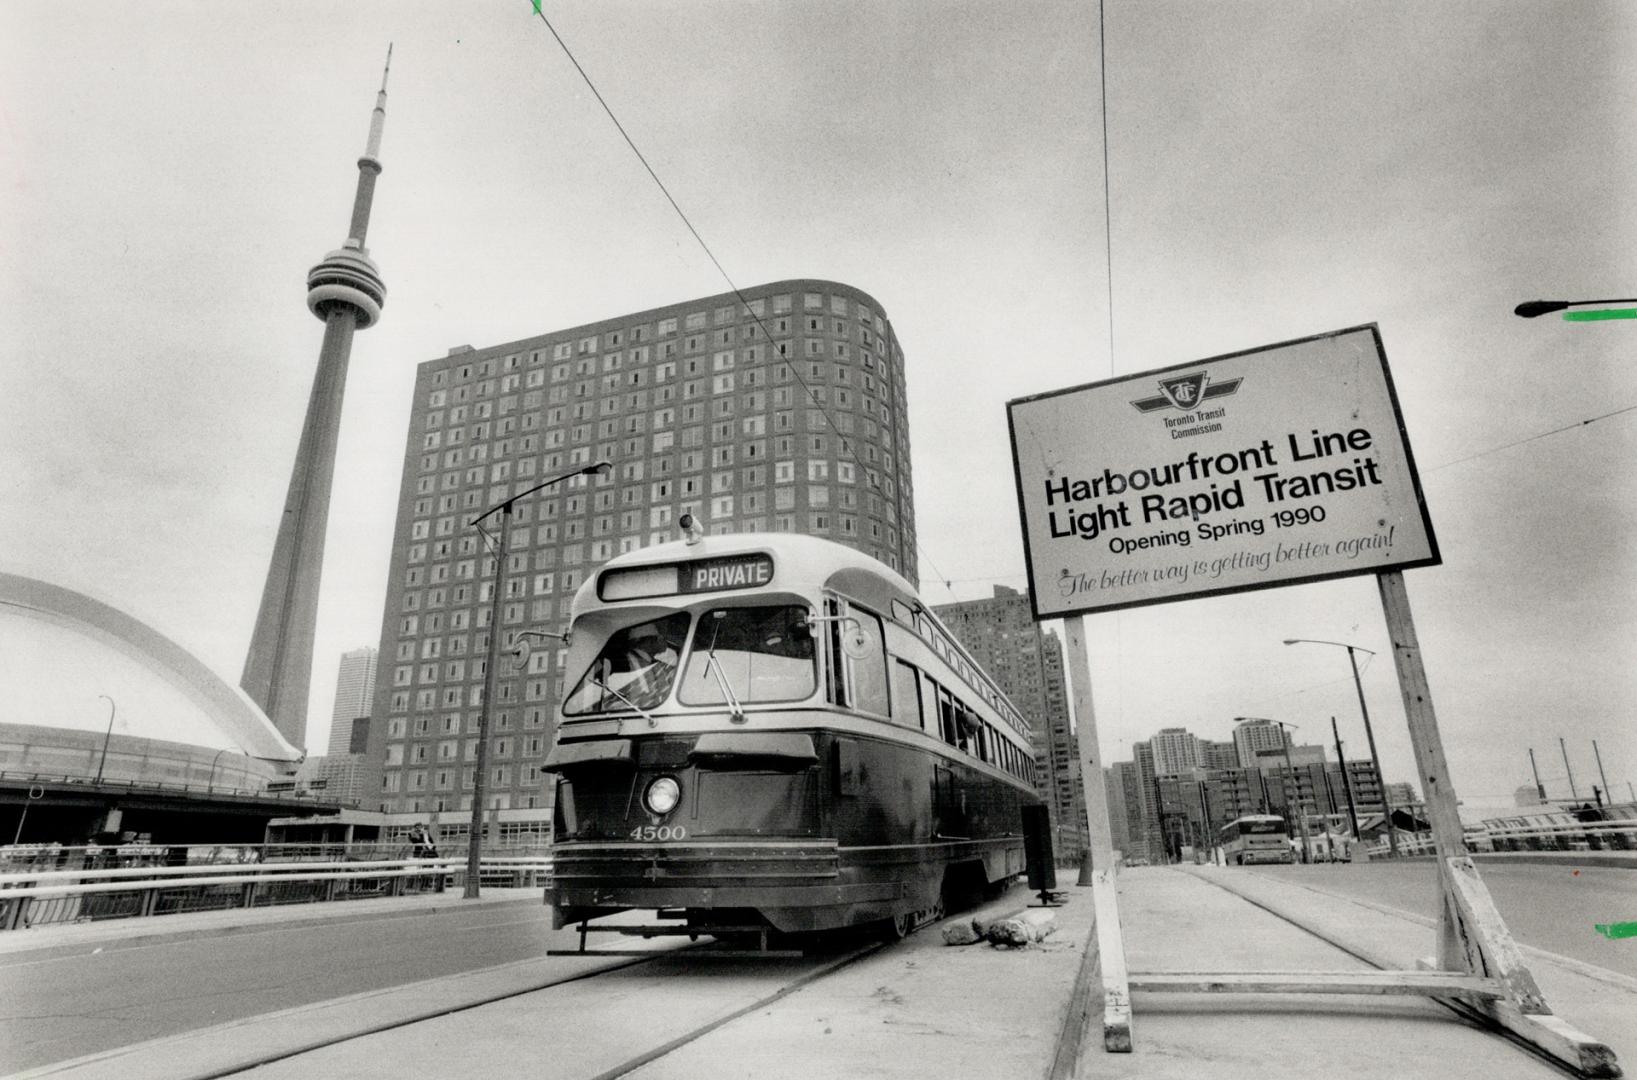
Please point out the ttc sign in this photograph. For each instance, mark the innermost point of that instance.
(1274, 466)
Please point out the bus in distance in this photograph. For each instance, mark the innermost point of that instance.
(1256, 838)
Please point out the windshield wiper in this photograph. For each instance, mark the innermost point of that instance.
(712, 664)
(646, 715)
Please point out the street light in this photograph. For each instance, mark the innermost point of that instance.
(1369, 732)
(475, 841)
(1290, 770)
(1531, 309)
(105, 739)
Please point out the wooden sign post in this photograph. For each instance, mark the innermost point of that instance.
(1105, 903)
(1254, 470)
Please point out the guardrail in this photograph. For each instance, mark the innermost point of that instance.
(44, 897)
(22, 858)
(225, 786)
(1618, 835)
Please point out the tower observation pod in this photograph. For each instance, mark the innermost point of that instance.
(346, 293)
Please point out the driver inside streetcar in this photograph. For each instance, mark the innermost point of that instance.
(651, 660)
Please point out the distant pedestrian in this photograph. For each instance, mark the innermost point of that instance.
(420, 839)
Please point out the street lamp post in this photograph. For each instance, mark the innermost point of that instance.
(475, 841)
(1369, 734)
(1531, 309)
(210, 784)
(106, 738)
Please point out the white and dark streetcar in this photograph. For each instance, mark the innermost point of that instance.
(771, 732)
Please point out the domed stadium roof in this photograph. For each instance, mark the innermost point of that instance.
(70, 662)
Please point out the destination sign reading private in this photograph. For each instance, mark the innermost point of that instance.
(699, 575)
(1269, 467)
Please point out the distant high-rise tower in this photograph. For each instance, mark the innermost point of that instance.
(1176, 751)
(345, 290)
(1255, 735)
(354, 695)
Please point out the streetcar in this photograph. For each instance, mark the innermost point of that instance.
(1256, 838)
(771, 733)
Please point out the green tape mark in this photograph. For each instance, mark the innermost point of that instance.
(1595, 315)
(1615, 931)
(537, 7)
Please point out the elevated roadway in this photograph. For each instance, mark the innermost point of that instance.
(438, 987)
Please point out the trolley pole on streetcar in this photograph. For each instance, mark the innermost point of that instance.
(474, 846)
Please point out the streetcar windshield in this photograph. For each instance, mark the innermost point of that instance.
(745, 655)
(635, 669)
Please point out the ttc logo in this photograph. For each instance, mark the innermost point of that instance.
(1185, 392)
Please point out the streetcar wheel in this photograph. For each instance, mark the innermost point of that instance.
(899, 926)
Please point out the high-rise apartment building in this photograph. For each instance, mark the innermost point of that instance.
(1176, 751)
(780, 408)
(1142, 806)
(1253, 735)
(1218, 755)
(1027, 663)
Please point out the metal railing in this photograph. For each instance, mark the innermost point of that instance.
(39, 897)
(1617, 835)
(227, 785)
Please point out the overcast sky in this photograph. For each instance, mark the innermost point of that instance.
(169, 172)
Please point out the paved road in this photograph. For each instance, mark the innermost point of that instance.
(1549, 907)
(73, 1001)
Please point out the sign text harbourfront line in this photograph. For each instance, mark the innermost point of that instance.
(1113, 493)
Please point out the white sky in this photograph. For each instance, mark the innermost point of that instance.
(169, 172)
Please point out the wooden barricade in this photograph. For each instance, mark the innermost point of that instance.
(1477, 969)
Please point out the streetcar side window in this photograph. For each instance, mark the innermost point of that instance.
(930, 696)
(906, 694)
(870, 670)
(949, 715)
(835, 678)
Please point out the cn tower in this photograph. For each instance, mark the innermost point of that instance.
(345, 292)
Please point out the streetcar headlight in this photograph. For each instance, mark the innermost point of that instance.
(662, 795)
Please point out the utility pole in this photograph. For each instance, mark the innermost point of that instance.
(1346, 780)
(1573, 794)
(1598, 754)
(1290, 770)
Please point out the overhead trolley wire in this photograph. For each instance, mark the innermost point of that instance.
(795, 371)
(1532, 438)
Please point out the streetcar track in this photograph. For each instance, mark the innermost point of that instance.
(429, 1015)
(828, 966)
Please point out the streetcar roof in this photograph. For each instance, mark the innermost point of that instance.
(798, 562)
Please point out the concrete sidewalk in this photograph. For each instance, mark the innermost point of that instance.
(927, 1010)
